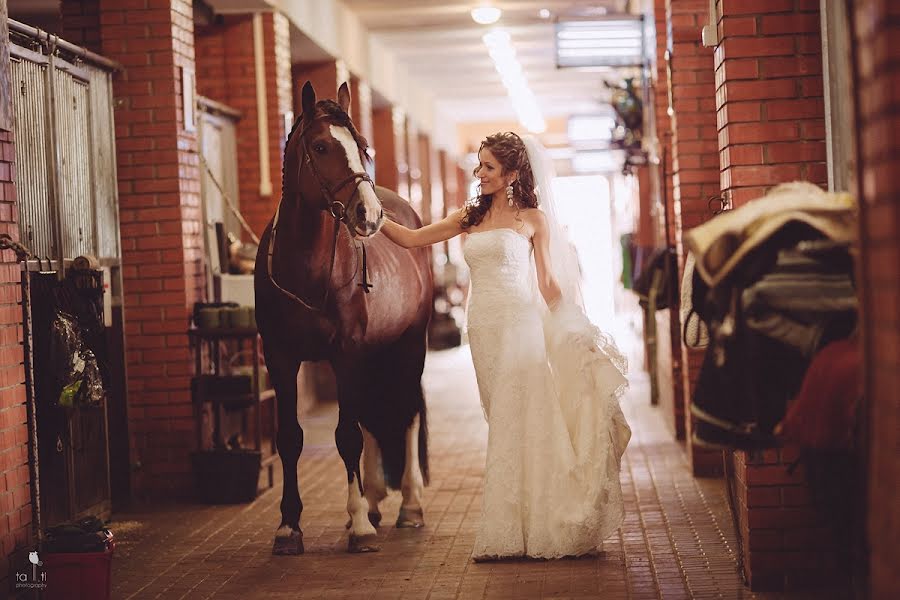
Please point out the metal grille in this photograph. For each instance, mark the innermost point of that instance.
(74, 160)
(106, 204)
(32, 134)
(66, 146)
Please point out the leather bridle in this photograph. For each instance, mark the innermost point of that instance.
(334, 207)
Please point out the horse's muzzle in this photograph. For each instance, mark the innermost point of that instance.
(364, 227)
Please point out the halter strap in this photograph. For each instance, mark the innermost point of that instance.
(335, 208)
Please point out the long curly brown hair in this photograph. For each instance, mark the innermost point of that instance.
(509, 150)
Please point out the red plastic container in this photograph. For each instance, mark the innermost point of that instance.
(78, 575)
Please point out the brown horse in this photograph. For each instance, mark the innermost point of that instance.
(317, 260)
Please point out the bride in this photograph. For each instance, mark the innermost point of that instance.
(549, 380)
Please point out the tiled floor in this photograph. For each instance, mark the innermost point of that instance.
(677, 541)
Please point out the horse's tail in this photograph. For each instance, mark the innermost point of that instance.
(393, 448)
(423, 437)
(393, 459)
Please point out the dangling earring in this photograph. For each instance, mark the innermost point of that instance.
(509, 195)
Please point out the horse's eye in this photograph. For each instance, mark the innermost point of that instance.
(320, 148)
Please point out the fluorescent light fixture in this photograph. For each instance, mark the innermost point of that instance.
(508, 67)
(600, 42)
(486, 14)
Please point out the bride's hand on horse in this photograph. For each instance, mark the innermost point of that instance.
(441, 231)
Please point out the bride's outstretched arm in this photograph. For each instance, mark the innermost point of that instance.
(547, 283)
(444, 229)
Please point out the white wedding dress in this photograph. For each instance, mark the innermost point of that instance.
(549, 385)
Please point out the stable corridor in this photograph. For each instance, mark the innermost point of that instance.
(677, 542)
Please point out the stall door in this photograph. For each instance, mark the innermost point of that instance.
(68, 208)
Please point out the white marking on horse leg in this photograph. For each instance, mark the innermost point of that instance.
(366, 192)
(373, 474)
(358, 509)
(412, 484)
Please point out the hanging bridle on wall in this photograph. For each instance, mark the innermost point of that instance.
(335, 208)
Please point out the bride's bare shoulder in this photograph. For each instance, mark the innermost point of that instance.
(535, 218)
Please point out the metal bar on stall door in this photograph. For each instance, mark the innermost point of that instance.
(31, 412)
(53, 156)
(82, 53)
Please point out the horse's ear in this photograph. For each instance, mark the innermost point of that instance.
(344, 97)
(309, 101)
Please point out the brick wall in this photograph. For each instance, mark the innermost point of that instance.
(769, 95)
(15, 478)
(384, 142)
(695, 165)
(159, 208)
(323, 76)
(875, 33)
(226, 72)
(361, 109)
(771, 129)
(670, 388)
(426, 175)
(788, 542)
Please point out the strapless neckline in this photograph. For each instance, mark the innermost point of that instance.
(506, 229)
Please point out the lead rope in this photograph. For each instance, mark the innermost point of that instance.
(270, 253)
(365, 285)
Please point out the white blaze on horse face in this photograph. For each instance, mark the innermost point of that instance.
(413, 483)
(358, 509)
(373, 473)
(366, 192)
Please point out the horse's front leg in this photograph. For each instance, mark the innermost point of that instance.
(283, 373)
(349, 440)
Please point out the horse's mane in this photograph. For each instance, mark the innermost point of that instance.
(333, 111)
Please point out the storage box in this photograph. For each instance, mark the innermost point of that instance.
(78, 576)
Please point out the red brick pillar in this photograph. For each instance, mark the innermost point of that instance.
(876, 29)
(695, 164)
(413, 165)
(227, 71)
(323, 76)
(425, 175)
(15, 477)
(387, 172)
(769, 95)
(770, 110)
(159, 210)
(361, 107)
(671, 388)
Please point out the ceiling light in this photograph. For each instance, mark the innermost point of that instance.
(486, 14)
(601, 42)
(545, 14)
(523, 100)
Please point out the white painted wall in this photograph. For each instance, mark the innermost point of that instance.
(340, 33)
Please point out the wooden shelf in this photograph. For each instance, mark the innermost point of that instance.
(219, 334)
(233, 392)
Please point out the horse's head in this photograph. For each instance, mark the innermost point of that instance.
(331, 156)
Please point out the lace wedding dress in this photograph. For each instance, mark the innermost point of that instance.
(549, 385)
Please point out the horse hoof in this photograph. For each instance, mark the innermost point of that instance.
(288, 544)
(363, 543)
(411, 517)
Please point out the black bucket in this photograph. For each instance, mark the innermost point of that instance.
(226, 476)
